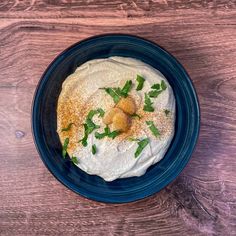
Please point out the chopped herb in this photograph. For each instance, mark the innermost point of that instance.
(166, 112)
(100, 135)
(101, 112)
(74, 160)
(94, 149)
(148, 104)
(107, 130)
(136, 115)
(107, 133)
(157, 89)
(91, 126)
(116, 93)
(148, 108)
(133, 139)
(154, 93)
(64, 149)
(84, 139)
(153, 128)
(141, 145)
(156, 86)
(113, 94)
(92, 113)
(89, 122)
(68, 127)
(163, 85)
(140, 81)
(113, 134)
(127, 87)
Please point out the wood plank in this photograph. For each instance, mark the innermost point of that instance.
(103, 8)
(202, 200)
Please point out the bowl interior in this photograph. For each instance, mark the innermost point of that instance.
(44, 120)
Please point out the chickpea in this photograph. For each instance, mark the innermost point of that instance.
(120, 122)
(127, 105)
(108, 117)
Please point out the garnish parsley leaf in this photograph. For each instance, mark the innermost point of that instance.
(166, 112)
(94, 149)
(113, 134)
(64, 148)
(148, 104)
(107, 130)
(133, 139)
(91, 126)
(154, 93)
(113, 94)
(135, 115)
(92, 113)
(68, 127)
(157, 89)
(147, 100)
(118, 91)
(140, 81)
(163, 85)
(74, 160)
(127, 87)
(84, 139)
(107, 133)
(100, 135)
(156, 86)
(141, 145)
(153, 128)
(148, 108)
(101, 112)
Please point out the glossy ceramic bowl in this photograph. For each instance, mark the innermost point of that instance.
(44, 119)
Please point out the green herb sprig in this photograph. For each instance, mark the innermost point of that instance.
(65, 146)
(140, 81)
(135, 115)
(153, 128)
(113, 94)
(74, 160)
(148, 104)
(89, 125)
(126, 89)
(141, 145)
(107, 133)
(117, 93)
(68, 127)
(166, 112)
(94, 149)
(84, 139)
(157, 89)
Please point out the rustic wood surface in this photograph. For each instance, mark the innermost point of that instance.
(201, 34)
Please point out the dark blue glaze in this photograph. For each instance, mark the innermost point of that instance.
(44, 120)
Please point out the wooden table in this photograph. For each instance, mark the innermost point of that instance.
(201, 34)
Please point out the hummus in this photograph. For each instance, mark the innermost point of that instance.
(114, 158)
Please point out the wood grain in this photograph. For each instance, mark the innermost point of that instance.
(201, 34)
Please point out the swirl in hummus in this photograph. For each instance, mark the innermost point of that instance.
(112, 157)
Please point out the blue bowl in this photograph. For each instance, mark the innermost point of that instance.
(44, 119)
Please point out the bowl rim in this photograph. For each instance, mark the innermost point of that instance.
(195, 96)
